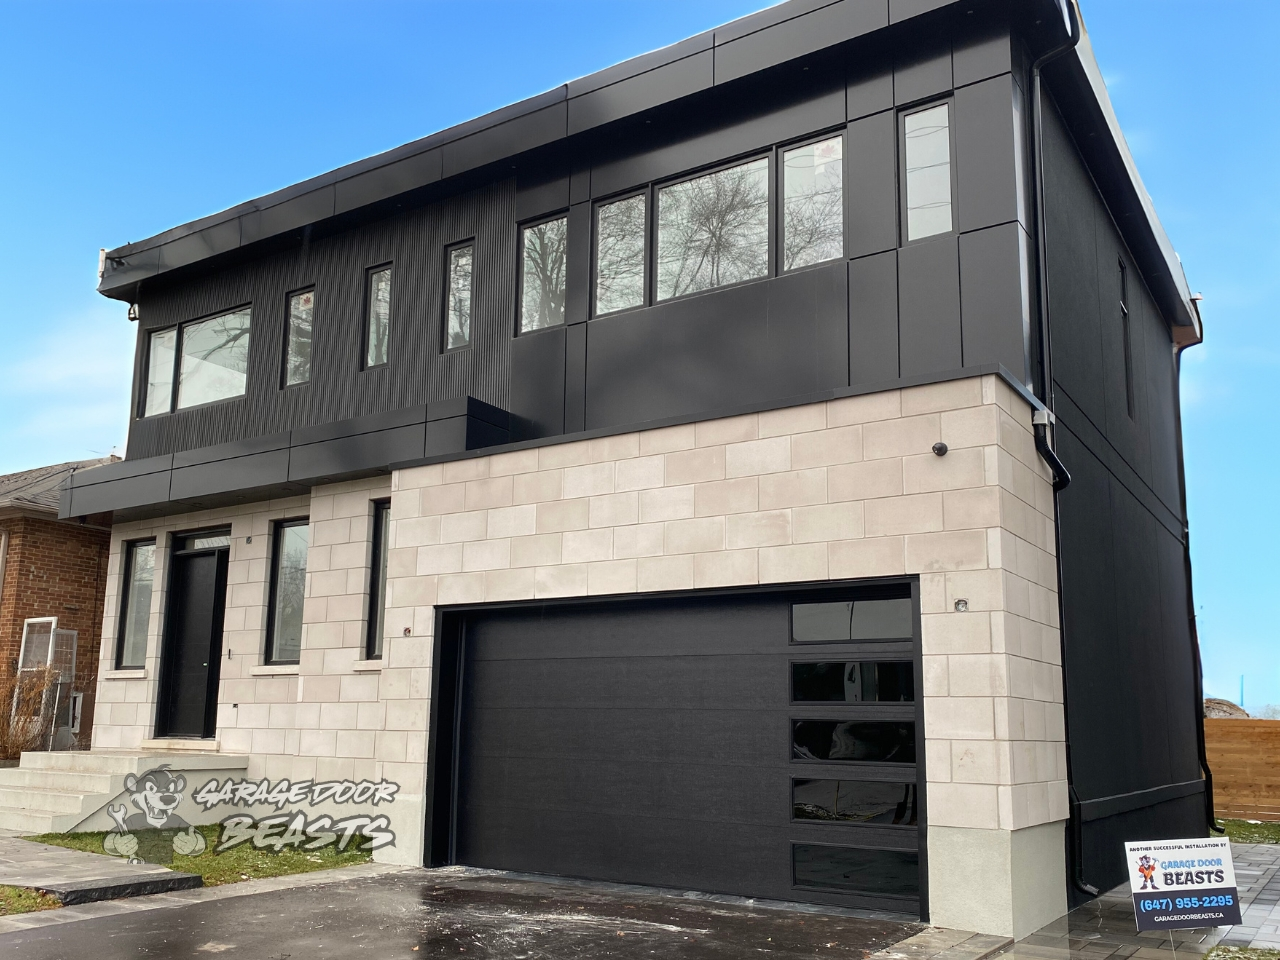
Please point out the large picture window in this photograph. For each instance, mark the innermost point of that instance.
(378, 578)
(298, 338)
(713, 230)
(215, 359)
(927, 150)
(378, 326)
(135, 604)
(288, 586)
(620, 236)
(543, 256)
(813, 203)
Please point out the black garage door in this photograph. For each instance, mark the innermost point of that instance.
(760, 745)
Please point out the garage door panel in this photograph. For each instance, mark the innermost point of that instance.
(737, 737)
(663, 852)
(711, 680)
(652, 742)
(697, 792)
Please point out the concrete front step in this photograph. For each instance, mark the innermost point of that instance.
(59, 791)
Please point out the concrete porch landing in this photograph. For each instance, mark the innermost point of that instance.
(78, 877)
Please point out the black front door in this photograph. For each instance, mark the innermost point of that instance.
(192, 644)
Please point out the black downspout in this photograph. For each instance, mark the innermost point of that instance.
(1045, 420)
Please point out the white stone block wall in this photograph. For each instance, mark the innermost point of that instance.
(837, 490)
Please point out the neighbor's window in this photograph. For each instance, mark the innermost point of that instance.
(298, 338)
(542, 274)
(813, 204)
(215, 359)
(288, 583)
(620, 255)
(458, 297)
(378, 578)
(135, 604)
(160, 357)
(378, 328)
(928, 159)
(713, 230)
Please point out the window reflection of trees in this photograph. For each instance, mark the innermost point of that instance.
(379, 317)
(620, 255)
(543, 279)
(215, 359)
(291, 577)
(459, 319)
(813, 209)
(714, 230)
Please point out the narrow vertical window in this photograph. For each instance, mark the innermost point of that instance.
(215, 359)
(288, 585)
(378, 578)
(542, 274)
(458, 297)
(620, 255)
(135, 604)
(1125, 331)
(378, 328)
(713, 230)
(813, 204)
(160, 358)
(928, 160)
(298, 334)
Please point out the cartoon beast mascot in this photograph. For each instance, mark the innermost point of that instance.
(1147, 867)
(155, 833)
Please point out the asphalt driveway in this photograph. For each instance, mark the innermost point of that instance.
(438, 914)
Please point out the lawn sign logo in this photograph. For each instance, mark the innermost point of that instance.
(295, 829)
(155, 833)
(1147, 867)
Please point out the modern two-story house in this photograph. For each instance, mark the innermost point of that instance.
(753, 468)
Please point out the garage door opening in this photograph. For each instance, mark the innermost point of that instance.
(763, 744)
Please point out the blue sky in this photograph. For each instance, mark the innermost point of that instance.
(119, 120)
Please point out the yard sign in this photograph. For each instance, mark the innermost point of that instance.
(1182, 883)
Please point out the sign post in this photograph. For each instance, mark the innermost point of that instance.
(1178, 884)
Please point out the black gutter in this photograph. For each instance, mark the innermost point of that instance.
(1061, 477)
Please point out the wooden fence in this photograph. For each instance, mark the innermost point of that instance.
(1244, 756)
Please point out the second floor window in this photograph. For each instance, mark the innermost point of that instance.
(620, 257)
(927, 150)
(812, 204)
(298, 338)
(378, 328)
(458, 297)
(713, 230)
(543, 257)
(135, 604)
(211, 358)
(288, 586)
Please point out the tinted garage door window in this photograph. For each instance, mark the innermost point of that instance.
(757, 746)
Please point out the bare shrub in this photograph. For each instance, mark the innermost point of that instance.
(26, 714)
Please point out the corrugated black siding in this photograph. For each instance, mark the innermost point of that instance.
(418, 372)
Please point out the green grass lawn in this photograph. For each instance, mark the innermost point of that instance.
(1246, 831)
(21, 900)
(244, 862)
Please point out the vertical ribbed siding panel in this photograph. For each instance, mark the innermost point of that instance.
(417, 371)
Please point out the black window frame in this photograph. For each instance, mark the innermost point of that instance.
(780, 197)
(122, 608)
(176, 383)
(649, 246)
(366, 320)
(377, 584)
(651, 222)
(286, 339)
(908, 110)
(447, 286)
(521, 227)
(277, 535)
